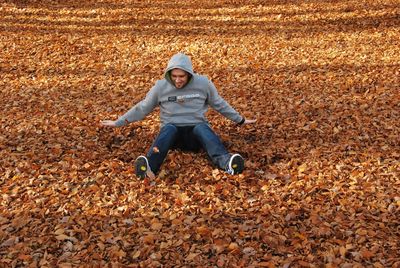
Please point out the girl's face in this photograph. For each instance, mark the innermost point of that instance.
(179, 77)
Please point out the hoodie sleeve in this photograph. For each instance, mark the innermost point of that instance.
(221, 106)
(141, 109)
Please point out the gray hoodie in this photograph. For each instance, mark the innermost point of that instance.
(182, 107)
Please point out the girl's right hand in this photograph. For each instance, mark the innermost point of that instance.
(108, 123)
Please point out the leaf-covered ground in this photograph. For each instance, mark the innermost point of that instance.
(321, 186)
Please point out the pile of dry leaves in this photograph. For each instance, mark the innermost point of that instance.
(321, 186)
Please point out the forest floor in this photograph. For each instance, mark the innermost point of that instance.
(321, 186)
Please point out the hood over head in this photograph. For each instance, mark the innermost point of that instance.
(179, 61)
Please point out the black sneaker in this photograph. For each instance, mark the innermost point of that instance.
(235, 165)
(141, 167)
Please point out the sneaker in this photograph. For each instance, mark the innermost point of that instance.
(235, 165)
(142, 167)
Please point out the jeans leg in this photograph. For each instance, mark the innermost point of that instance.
(164, 141)
(212, 144)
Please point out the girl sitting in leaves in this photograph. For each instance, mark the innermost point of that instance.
(183, 97)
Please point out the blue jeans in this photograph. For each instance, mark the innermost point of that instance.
(190, 138)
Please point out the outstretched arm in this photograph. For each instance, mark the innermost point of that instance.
(219, 104)
(137, 112)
